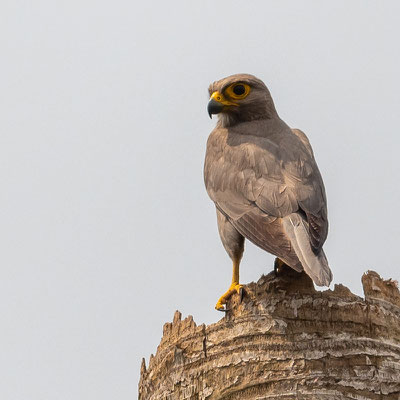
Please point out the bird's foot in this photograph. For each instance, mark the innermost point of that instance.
(279, 265)
(234, 288)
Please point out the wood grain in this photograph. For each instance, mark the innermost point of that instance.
(284, 341)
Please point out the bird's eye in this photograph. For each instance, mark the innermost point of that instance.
(239, 90)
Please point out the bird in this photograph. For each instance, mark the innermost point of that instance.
(264, 181)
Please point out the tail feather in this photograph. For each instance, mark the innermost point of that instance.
(315, 265)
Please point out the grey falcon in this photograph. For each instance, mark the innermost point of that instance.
(264, 181)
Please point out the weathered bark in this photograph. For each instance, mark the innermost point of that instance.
(284, 341)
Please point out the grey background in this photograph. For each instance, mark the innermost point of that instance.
(106, 226)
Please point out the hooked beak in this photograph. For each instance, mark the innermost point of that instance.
(217, 103)
(214, 107)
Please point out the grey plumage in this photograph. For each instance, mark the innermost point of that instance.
(265, 183)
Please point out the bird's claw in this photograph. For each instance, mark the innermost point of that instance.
(241, 294)
(234, 288)
(225, 310)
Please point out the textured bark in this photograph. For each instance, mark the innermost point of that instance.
(285, 340)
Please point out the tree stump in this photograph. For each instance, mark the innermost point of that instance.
(284, 340)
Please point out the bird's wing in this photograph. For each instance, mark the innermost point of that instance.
(310, 192)
(278, 175)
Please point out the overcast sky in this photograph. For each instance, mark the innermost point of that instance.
(106, 226)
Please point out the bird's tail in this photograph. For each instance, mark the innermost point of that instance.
(315, 265)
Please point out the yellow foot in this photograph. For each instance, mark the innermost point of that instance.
(234, 288)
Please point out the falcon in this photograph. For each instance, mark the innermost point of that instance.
(264, 182)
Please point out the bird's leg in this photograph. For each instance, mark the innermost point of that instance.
(278, 265)
(234, 288)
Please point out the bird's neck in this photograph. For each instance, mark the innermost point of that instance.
(226, 120)
(259, 128)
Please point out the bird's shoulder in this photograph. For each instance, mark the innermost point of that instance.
(269, 165)
(271, 141)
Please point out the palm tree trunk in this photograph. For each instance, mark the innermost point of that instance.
(285, 340)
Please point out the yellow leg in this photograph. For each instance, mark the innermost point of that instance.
(234, 288)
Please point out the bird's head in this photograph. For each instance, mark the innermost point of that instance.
(240, 98)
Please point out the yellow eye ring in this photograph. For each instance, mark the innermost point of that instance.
(238, 91)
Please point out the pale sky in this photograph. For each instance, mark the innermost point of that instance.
(106, 225)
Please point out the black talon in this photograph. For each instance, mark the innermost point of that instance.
(277, 266)
(241, 294)
(223, 309)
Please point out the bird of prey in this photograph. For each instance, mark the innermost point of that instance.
(264, 181)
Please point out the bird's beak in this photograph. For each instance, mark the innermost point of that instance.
(214, 107)
(217, 103)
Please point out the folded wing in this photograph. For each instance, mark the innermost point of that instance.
(271, 190)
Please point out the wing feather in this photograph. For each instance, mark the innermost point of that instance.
(251, 177)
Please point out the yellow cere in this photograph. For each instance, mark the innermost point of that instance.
(217, 96)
